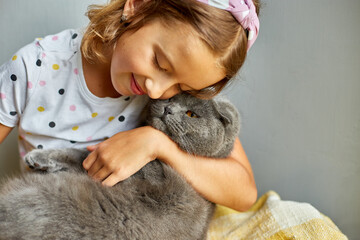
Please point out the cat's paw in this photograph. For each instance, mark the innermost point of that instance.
(40, 160)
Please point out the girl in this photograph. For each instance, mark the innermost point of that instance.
(77, 90)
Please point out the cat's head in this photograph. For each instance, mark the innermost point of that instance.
(201, 127)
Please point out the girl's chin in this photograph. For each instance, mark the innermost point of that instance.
(121, 92)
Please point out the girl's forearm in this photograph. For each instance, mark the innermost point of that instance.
(229, 182)
(4, 132)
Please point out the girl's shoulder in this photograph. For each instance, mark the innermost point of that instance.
(66, 41)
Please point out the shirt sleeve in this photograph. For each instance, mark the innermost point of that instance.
(17, 77)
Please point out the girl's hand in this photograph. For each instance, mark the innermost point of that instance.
(122, 155)
(4, 131)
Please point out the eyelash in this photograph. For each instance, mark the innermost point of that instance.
(157, 65)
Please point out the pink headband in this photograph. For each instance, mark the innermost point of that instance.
(244, 12)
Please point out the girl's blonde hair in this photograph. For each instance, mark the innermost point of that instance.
(217, 28)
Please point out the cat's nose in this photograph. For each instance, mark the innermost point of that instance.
(167, 111)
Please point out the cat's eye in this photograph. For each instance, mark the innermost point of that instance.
(191, 114)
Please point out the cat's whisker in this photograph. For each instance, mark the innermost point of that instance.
(188, 142)
(179, 130)
(188, 147)
(185, 144)
(192, 128)
(177, 127)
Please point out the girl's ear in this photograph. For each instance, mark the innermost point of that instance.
(131, 6)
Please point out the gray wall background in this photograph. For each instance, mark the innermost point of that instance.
(298, 94)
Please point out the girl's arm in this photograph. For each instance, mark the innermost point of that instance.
(4, 132)
(229, 181)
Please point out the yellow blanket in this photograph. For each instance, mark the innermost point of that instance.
(271, 218)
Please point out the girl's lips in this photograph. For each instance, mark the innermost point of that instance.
(135, 87)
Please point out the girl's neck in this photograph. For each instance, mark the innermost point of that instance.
(98, 79)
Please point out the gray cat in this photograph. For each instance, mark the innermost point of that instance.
(155, 203)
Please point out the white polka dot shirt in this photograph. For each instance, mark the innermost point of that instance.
(43, 92)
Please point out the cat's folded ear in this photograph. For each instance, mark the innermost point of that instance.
(228, 114)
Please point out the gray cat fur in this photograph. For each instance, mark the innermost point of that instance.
(155, 203)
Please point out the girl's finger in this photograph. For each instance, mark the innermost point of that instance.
(89, 161)
(91, 147)
(111, 180)
(101, 174)
(95, 167)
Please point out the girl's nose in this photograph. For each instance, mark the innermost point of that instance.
(160, 89)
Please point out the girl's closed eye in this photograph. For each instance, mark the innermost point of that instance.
(157, 64)
(161, 69)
